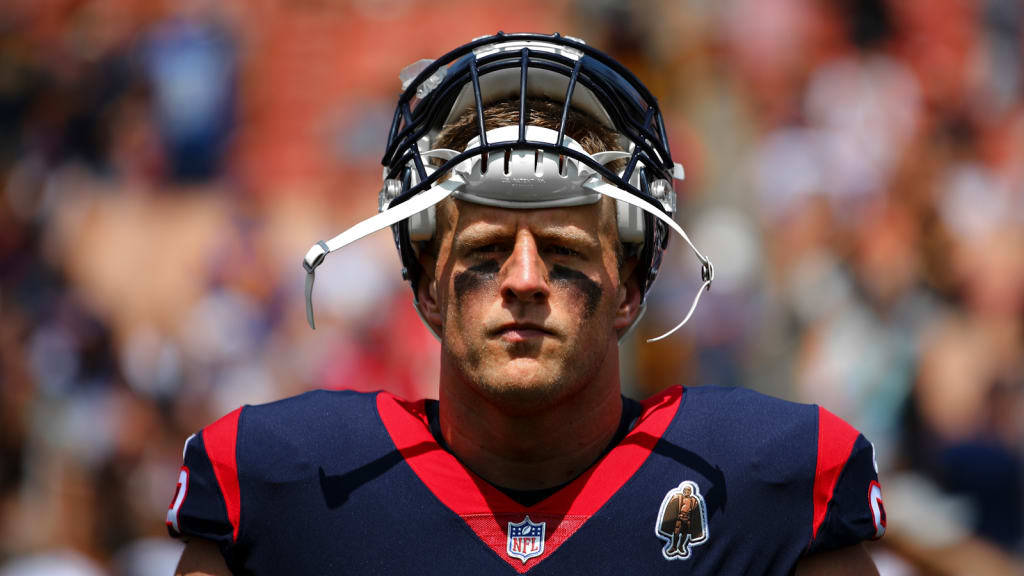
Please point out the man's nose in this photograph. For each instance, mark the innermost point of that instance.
(524, 275)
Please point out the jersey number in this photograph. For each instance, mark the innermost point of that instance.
(179, 497)
(877, 508)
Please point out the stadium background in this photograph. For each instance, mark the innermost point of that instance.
(855, 169)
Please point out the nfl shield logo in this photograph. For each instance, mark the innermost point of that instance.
(525, 539)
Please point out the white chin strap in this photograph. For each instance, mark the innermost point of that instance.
(543, 179)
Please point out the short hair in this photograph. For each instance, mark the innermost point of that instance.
(592, 135)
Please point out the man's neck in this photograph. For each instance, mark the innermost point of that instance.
(536, 450)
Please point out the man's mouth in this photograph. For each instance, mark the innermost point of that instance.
(521, 331)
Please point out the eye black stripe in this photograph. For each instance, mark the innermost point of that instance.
(591, 291)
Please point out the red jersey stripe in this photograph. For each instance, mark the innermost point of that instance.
(835, 444)
(220, 439)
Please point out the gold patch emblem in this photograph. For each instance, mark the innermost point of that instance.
(682, 521)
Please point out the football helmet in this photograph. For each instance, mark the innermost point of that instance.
(523, 166)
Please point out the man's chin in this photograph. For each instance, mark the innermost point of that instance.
(523, 384)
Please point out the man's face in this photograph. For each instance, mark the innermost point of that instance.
(530, 301)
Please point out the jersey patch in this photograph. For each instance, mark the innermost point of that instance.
(526, 539)
(682, 521)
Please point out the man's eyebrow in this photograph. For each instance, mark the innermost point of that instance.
(482, 235)
(568, 234)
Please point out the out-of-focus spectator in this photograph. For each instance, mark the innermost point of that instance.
(63, 563)
(191, 64)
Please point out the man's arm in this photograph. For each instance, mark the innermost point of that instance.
(206, 506)
(201, 558)
(849, 561)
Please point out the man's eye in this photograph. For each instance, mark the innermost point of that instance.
(563, 250)
(487, 249)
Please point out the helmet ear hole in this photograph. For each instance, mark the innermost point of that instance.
(422, 225)
(631, 223)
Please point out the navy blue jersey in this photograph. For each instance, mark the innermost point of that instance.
(707, 481)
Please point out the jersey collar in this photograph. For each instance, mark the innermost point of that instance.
(487, 511)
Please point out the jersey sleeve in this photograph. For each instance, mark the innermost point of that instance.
(847, 497)
(206, 500)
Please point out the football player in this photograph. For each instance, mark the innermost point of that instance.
(530, 189)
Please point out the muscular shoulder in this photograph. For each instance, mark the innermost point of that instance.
(743, 401)
(745, 417)
(232, 466)
(310, 416)
(805, 451)
(292, 434)
(766, 440)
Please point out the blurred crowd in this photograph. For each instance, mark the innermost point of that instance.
(855, 170)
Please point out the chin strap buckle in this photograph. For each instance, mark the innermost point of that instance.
(707, 272)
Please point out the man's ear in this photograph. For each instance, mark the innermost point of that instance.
(630, 297)
(426, 290)
(427, 255)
